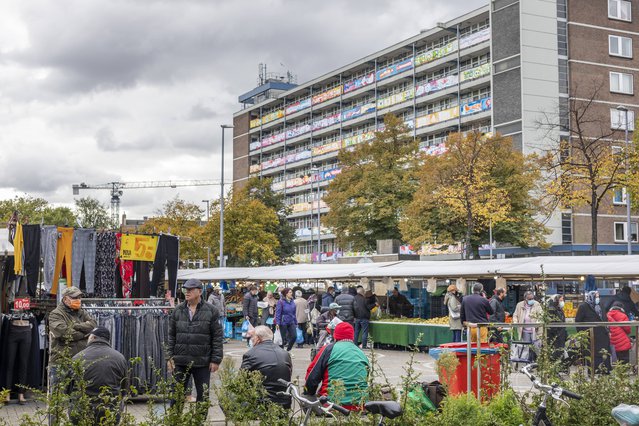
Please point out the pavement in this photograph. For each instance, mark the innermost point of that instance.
(392, 362)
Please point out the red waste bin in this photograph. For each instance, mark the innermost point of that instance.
(490, 368)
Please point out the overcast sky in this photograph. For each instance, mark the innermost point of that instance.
(135, 90)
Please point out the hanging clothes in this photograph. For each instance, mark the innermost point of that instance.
(167, 255)
(125, 269)
(6, 283)
(48, 247)
(18, 250)
(63, 257)
(19, 354)
(105, 264)
(83, 257)
(142, 281)
(31, 237)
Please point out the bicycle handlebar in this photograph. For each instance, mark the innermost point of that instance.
(570, 394)
(292, 391)
(553, 389)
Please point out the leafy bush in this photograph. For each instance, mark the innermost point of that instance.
(462, 410)
(504, 410)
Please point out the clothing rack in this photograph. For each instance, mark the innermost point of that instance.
(122, 299)
(126, 308)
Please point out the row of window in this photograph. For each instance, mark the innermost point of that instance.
(620, 9)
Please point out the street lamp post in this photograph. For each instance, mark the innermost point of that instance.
(207, 209)
(628, 223)
(222, 260)
(314, 171)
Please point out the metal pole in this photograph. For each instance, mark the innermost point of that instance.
(222, 262)
(490, 238)
(478, 359)
(312, 211)
(628, 223)
(469, 355)
(459, 79)
(319, 235)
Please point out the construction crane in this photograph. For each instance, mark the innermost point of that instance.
(116, 189)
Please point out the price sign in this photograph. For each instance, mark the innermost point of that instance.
(22, 304)
(138, 247)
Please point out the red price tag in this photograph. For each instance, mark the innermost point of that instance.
(22, 304)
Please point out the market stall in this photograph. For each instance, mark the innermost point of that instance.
(407, 333)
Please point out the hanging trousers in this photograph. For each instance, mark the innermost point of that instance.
(141, 285)
(31, 236)
(19, 345)
(166, 255)
(105, 266)
(83, 255)
(63, 257)
(18, 250)
(49, 244)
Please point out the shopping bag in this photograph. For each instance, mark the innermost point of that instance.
(300, 337)
(269, 321)
(228, 329)
(277, 338)
(245, 326)
(435, 391)
(418, 399)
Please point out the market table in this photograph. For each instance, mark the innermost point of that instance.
(406, 333)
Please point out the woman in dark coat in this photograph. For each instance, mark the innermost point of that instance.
(590, 311)
(557, 336)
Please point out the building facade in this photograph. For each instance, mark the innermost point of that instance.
(492, 69)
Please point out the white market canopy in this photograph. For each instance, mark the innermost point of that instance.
(555, 267)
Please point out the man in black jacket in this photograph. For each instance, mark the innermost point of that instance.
(103, 367)
(363, 308)
(498, 315)
(475, 308)
(346, 301)
(195, 340)
(249, 307)
(272, 361)
(399, 306)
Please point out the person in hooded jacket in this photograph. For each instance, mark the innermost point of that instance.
(328, 297)
(629, 307)
(286, 319)
(341, 361)
(556, 336)
(453, 300)
(590, 311)
(619, 334)
(347, 302)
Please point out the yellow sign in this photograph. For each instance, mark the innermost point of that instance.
(138, 247)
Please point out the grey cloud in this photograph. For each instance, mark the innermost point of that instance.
(106, 141)
(200, 111)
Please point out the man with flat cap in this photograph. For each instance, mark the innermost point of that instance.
(104, 368)
(195, 340)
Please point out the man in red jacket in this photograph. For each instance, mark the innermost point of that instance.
(619, 334)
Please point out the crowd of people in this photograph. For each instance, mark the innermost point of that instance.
(611, 343)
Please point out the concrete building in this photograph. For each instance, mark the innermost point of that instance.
(497, 68)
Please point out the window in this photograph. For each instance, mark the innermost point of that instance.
(618, 120)
(620, 232)
(621, 83)
(619, 9)
(619, 196)
(620, 46)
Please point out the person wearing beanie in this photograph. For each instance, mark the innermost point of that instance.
(104, 368)
(340, 361)
(302, 316)
(453, 300)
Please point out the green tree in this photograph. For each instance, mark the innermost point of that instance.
(35, 210)
(367, 199)
(261, 189)
(181, 218)
(478, 180)
(93, 214)
(250, 231)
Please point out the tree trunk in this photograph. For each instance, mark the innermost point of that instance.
(594, 207)
(469, 233)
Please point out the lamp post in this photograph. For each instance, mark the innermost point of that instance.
(628, 223)
(315, 170)
(457, 31)
(207, 208)
(222, 260)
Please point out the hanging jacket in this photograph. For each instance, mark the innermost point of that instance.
(619, 334)
(197, 341)
(70, 329)
(285, 312)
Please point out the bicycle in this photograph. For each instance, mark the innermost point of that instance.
(553, 390)
(322, 406)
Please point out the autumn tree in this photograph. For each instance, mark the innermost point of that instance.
(250, 231)
(93, 214)
(181, 218)
(368, 198)
(478, 180)
(261, 189)
(584, 168)
(36, 210)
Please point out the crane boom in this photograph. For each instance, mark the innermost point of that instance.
(116, 189)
